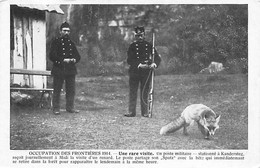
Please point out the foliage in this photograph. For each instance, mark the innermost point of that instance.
(194, 35)
(210, 33)
(239, 65)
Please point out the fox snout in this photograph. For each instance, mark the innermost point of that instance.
(212, 131)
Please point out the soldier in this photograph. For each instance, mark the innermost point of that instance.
(139, 56)
(64, 56)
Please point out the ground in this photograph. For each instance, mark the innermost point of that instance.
(102, 101)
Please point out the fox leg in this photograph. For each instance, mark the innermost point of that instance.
(185, 129)
(203, 131)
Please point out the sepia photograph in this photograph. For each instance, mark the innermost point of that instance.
(200, 61)
(130, 84)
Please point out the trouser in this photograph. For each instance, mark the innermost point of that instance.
(70, 91)
(134, 80)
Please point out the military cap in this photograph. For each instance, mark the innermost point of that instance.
(64, 24)
(139, 30)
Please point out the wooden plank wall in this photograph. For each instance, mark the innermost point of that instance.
(29, 38)
(39, 49)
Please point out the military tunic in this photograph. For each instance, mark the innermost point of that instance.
(61, 49)
(140, 52)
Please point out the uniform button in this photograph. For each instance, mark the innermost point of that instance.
(62, 43)
(137, 53)
(63, 53)
(63, 48)
(137, 48)
(137, 57)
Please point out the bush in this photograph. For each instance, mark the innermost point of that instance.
(239, 65)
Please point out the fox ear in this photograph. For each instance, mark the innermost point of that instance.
(217, 118)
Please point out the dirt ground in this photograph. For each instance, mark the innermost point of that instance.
(102, 101)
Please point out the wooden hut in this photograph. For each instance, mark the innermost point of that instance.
(28, 41)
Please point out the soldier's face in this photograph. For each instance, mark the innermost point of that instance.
(139, 37)
(65, 32)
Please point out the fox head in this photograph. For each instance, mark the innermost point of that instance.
(211, 124)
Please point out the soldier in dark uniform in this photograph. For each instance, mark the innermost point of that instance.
(64, 56)
(139, 57)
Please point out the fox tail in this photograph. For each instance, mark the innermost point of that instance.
(173, 126)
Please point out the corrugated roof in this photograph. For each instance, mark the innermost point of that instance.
(43, 7)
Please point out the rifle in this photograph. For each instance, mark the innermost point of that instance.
(150, 95)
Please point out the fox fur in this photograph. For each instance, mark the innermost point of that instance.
(205, 117)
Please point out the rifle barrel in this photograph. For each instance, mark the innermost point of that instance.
(150, 97)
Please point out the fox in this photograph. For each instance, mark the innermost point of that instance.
(206, 118)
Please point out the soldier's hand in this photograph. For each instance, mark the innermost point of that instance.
(153, 66)
(66, 60)
(144, 66)
(73, 60)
